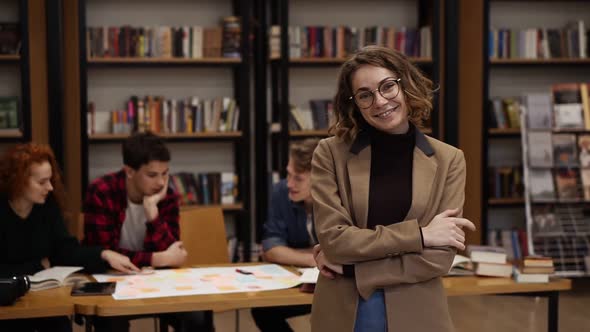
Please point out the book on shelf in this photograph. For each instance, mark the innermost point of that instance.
(568, 184)
(504, 112)
(541, 185)
(167, 116)
(538, 110)
(565, 150)
(57, 276)
(505, 182)
(567, 106)
(188, 42)
(568, 41)
(540, 149)
(10, 38)
(205, 188)
(585, 175)
(341, 41)
(9, 112)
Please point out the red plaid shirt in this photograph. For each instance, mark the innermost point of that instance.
(104, 213)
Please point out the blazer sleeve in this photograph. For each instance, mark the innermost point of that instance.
(341, 240)
(417, 267)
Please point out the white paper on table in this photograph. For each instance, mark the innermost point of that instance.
(309, 275)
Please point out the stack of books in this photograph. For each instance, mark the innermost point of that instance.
(534, 269)
(489, 261)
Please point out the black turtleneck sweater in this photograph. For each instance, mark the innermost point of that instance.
(390, 187)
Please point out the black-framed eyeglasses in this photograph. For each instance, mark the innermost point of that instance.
(388, 89)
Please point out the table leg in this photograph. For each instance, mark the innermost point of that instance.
(88, 323)
(553, 312)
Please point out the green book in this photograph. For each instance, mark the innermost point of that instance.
(9, 112)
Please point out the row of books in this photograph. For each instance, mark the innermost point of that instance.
(504, 112)
(9, 112)
(191, 42)
(205, 188)
(159, 115)
(565, 184)
(341, 41)
(10, 39)
(319, 115)
(513, 241)
(547, 149)
(571, 41)
(566, 106)
(505, 182)
(493, 261)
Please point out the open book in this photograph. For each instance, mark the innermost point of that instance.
(57, 276)
(462, 266)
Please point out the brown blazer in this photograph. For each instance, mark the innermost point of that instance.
(389, 257)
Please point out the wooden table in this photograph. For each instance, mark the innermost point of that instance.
(58, 302)
(462, 286)
(48, 303)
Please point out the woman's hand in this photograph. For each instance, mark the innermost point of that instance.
(119, 262)
(45, 263)
(446, 229)
(327, 269)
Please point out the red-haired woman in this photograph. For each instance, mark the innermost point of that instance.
(33, 236)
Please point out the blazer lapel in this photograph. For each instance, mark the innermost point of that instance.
(423, 174)
(359, 172)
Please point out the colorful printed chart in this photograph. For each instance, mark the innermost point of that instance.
(194, 281)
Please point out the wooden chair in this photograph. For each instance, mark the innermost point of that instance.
(202, 232)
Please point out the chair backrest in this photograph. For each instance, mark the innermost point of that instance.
(78, 230)
(202, 232)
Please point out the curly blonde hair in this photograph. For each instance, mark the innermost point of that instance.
(417, 89)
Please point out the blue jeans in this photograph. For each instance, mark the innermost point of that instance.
(370, 314)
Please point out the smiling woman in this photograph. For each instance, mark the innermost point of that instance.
(387, 202)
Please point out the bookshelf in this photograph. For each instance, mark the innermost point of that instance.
(108, 82)
(283, 80)
(515, 76)
(15, 73)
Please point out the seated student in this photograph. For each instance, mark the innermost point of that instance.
(288, 233)
(134, 212)
(33, 236)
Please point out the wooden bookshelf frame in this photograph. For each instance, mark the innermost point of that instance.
(506, 201)
(9, 58)
(540, 62)
(338, 61)
(171, 136)
(225, 207)
(504, 132)
(128, 61)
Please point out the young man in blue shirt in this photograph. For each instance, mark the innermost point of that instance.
(289, 234)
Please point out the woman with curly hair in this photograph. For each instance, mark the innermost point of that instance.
(387, 203)
(33, 236)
